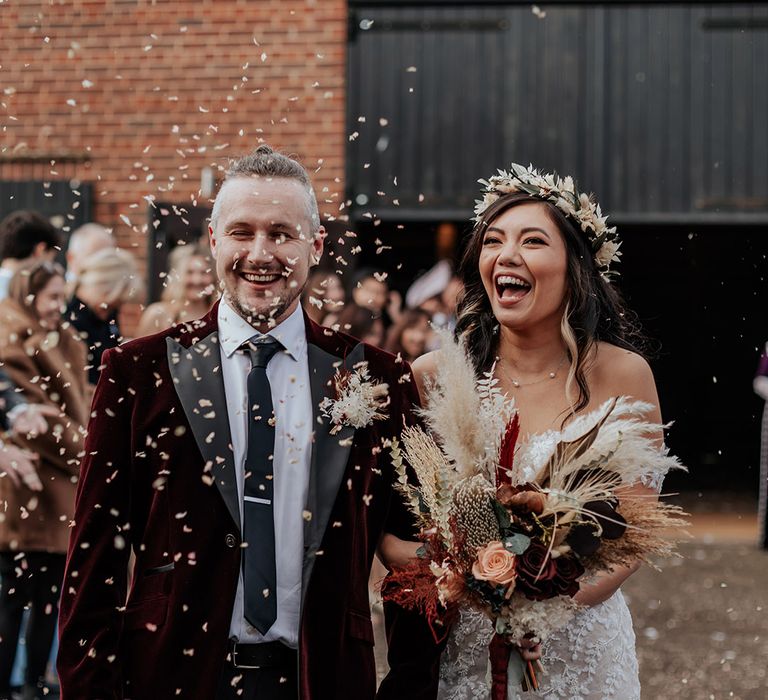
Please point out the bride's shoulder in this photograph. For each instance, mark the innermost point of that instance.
(619, 372)
(426, 363)
(424, 369)
(610, 357)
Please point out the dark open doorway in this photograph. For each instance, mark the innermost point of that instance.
(700, 292)
(701, 296)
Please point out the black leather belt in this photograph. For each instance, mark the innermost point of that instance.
(265, 655)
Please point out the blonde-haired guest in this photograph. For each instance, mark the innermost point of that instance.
(323, 295)
(84, 242)
(45, 359)
(189, 291)
(106, 280)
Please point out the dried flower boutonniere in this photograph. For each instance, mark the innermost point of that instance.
(359, 400)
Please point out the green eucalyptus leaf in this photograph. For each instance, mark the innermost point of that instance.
(517, 543)
(501, 515)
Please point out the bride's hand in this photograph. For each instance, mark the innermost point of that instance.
(529, 650)
(396, 553)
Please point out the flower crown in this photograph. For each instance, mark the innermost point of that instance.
(579, 207)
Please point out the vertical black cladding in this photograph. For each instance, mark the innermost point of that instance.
(659, 109)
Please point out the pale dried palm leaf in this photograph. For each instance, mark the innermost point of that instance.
(468, 416)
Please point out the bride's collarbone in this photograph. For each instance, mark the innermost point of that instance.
(540, 410)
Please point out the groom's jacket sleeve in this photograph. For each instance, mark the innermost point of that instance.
(400, 521)
(413, 654)
(95, 580)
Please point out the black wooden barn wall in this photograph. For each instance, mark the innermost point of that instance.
(662, 110)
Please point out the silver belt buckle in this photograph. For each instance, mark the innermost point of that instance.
(234, 659)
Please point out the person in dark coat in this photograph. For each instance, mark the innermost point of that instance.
(46, 360)
(106, 280)
(219, 456)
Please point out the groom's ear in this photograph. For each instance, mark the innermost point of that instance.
(318, 245)
(212, 241)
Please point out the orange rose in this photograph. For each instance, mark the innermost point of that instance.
(494, 564)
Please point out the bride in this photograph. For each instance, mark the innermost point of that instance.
(539, 308)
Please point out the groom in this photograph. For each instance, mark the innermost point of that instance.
(253, 517)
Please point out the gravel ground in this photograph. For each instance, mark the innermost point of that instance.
(702, 622)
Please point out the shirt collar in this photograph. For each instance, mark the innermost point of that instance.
(234, 330)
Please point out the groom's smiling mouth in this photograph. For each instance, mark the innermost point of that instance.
(260, 279)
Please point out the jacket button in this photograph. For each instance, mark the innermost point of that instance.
(231, 540)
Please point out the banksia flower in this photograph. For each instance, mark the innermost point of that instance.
(473, 515)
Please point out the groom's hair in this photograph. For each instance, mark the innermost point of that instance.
(266, 162)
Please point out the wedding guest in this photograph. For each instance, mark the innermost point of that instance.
(361, 323)
(18, 415)
(46, 360)
(450, 300)
(409, 336)
(427, 289)
(84, 242)
(190, 289)
(761, 389)
(17, 464)
(323, 295)
(436, 292)
(371, 291)
(106, 280)
(253, 516)
(24, 235)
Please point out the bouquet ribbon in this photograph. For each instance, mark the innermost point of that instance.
(500, 651)
(508, 669)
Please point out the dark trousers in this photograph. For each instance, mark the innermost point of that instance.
(32, 579)
(278, 682)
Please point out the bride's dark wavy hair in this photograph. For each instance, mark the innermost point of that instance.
(594, 310)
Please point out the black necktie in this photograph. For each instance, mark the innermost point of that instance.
(259, 567)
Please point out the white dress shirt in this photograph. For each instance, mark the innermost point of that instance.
(288, 374)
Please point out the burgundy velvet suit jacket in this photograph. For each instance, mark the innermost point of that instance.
(158, 479)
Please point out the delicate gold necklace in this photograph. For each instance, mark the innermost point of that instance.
(519, 385)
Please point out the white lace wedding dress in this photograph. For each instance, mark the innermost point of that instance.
(592, 658)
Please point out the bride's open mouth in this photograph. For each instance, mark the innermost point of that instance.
(511, 289)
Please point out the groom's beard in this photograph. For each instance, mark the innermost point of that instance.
(279, 306)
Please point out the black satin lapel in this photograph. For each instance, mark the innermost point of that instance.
(329, 452)
(197, 378)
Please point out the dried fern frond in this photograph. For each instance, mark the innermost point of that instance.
(409, 491)
(432, 472)
(496, 411)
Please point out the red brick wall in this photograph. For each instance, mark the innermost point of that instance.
(137, 96)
